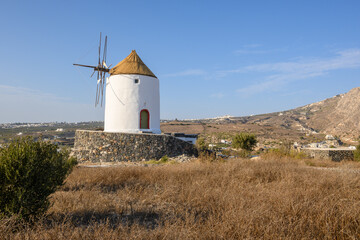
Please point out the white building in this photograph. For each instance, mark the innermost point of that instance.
(329, 137)
(132, 99)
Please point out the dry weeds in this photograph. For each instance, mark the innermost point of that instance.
(268, 199)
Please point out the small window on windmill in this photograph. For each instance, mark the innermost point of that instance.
(136, 81)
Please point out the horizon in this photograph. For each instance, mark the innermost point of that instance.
(212, 59)
(175, 119)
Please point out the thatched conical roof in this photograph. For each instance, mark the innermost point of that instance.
(132, 64)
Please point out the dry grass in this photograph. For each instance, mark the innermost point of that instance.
(268, 199)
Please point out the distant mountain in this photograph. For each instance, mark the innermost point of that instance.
(339, 115)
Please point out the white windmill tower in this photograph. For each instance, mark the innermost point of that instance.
(132, 97)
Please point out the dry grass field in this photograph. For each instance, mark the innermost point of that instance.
(267, 199)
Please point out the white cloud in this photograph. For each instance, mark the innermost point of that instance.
(344, 59)
(11, 91)
(256, 49)
(29, 105)
(217, 95)
(252, 45)
(283, 73)
(190, 72)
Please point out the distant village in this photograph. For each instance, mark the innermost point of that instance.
(58, 133)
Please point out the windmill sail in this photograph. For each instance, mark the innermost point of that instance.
(101, 70)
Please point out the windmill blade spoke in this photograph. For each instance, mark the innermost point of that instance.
(100, 100)
(92, 74)
(99, 49)
(102, 87)
(104, 84)
(105, 51)
(99, 94)
(81, 65)
(97, 90)
(97, 87)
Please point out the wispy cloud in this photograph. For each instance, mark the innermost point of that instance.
(29, 105)
(218, 95)
(12, 91)
(189, 72)
(252, 45)
(256, 49)
(283, 73)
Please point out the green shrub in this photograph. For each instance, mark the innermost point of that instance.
(200, 144)
(164, 159)
(245, 141)
(357, 153)
(29, 172)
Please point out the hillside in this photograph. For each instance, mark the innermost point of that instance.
(339, 115)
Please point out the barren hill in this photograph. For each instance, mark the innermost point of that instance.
(339, 115)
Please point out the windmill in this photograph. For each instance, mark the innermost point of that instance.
(101, 70)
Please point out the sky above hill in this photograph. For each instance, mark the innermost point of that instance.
(212, 58)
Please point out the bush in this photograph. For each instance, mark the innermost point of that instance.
(29, 172)
(357, 153)
(200, 144)
(245, 141)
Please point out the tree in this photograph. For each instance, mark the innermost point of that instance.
(29, 172)
(245, 141)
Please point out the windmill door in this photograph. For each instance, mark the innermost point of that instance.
(144, 119)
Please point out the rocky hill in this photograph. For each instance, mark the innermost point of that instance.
(339, 115)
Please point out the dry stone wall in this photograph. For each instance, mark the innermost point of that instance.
(329, 153)
(99, 146)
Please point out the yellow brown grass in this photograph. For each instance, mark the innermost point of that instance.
(268, 199)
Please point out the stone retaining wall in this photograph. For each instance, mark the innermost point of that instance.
(99, 146)
(329, 153)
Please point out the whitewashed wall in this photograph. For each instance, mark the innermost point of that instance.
(124, 99)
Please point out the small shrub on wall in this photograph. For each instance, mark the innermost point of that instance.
(29, 172)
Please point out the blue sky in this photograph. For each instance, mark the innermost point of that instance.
(212, 58)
